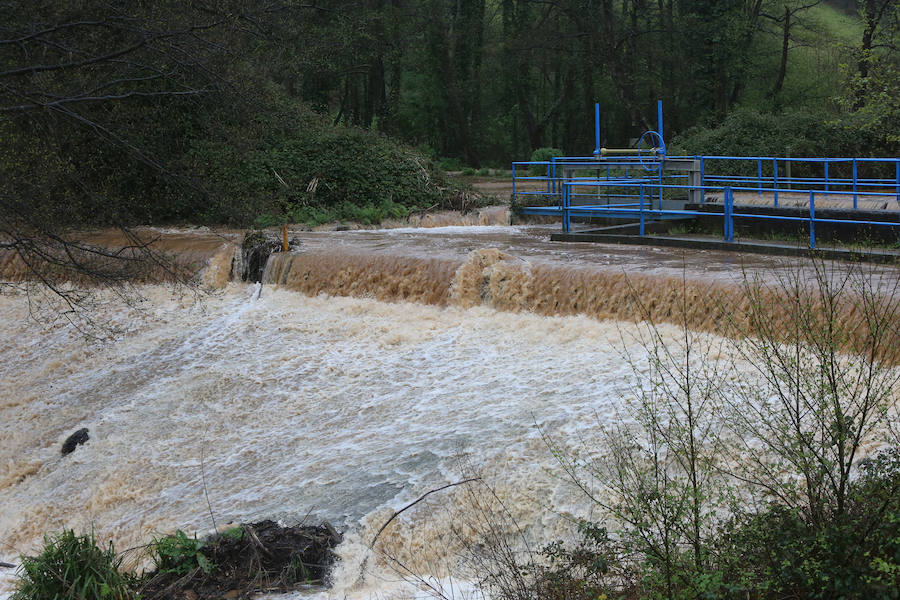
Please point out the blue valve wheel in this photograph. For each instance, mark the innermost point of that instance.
(651, 150)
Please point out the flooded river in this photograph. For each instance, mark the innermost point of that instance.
(367, 369)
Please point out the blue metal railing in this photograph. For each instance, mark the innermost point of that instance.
(622, 181)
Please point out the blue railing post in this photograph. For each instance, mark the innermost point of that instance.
(759, 176)
(659, 121)
(549, 178)
(606, 187)
(728, 225)
(514, 181)
(826, 176)
(565, 198)
(812, 220)
(660, 187)
(854, 184)
(775, 179)
(702, 181)
(641, 203)
(898, 180)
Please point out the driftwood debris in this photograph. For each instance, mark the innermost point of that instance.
(257, 557)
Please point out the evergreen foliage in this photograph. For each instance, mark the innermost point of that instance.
(543, 155)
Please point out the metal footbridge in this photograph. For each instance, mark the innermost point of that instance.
(644, 184)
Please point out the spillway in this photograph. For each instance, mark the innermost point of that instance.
(367, 369)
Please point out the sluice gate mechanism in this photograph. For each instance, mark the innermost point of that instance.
(643, 190)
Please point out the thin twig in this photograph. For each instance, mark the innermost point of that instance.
(419, 499)
(203, 476)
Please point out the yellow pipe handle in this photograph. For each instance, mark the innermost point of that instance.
(627, 151)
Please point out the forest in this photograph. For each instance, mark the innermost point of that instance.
(228, 112)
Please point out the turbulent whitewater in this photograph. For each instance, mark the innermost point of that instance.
(374, 367)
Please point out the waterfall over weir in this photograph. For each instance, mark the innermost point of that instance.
(367, 369)
(517, 269)
(493, 278)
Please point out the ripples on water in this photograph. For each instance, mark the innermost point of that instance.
(341, 407)
(337, 408)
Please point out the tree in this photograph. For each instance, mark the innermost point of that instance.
(97, 102)
(879, 28)
(871, 96)
(786, 22)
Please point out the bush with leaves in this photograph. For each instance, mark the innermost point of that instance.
(797, 133)
(581, 572)
(543, 155)
(744, 469)
(310, 171)
(179, 554)
(780, 552)
(73, 567)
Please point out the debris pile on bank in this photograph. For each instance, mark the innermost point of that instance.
(252, 558)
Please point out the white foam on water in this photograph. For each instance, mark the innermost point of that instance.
(458, 230)
(337, 408)
(284, 406)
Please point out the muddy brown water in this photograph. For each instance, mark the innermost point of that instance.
(369, 368)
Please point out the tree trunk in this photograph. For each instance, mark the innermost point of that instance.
(785, 45)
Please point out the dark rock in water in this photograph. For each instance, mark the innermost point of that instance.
(256, 249)
(75, 440)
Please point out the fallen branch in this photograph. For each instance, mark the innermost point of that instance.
(362, 566)
(255, 538)
(419, 499)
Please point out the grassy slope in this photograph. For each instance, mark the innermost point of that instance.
(823, 37)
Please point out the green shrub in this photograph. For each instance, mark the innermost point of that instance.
(770, 552)
(73, 567)
(579, 572)
(450, 164)
(468, 172)
(541, 155)
(179, 554)
(316, 173)
(795, 133)
(781, 552)
(484, 172)
(427, 151)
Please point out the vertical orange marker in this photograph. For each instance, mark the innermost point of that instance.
(284, 242)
